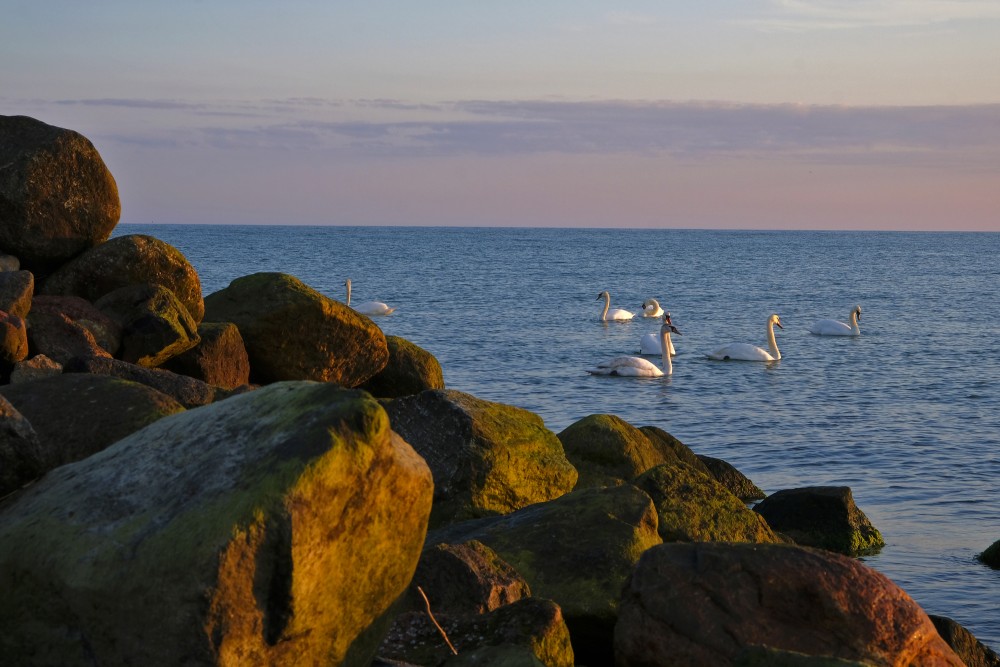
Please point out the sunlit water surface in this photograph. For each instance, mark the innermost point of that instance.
(907, 415)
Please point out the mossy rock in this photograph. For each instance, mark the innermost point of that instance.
(731, 478)
(155, 325)
(693, 507)
(220, 357)
(607, 450)
(409, 370)
(671, 448)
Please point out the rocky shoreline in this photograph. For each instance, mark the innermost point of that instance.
(261, 476)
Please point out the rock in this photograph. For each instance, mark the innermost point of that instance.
(9, 263)
(155, 324)
(693, 507)
(61, 338)
(526, 632)
(220, 358)
(767, 656)
(13, 341)
(671, 448)
(272, 528)
(608, 450)
(78, 415)
(972, 651)
(991, 556)
(577, 551)
(731, 478)
(704, 603)
(129, 260)
(36, 368)
(487, 458)
(821, 516)
(187, 391)
(20, 451)
(466, 580)
(105, 331)
(57, 197)
(292, 332)
(409, 370)
(16, 290)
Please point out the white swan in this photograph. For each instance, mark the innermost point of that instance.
(747, 352)
(650, 343)
(616, 314)
(637, 366)
(835, 328)
(651, 308)
(368, 307)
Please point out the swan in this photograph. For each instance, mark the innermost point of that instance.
(651, 308)
(368, 307)
(650, 343)
(616, 314)
(747, 352)
(637, 366)
(835, 328)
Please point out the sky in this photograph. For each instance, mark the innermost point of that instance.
(762, 114)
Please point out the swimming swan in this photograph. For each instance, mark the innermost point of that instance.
(616, 314)
(368, 307)
(835, 328)
(747, 352)
(651, 308)
(650, 343)
(637, 366)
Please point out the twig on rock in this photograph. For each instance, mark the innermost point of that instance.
(434, 620)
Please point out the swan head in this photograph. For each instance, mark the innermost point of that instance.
(775, 320)
(347, 283)
(651, 304)
(669, 326)
(603, 295)
(857, 311)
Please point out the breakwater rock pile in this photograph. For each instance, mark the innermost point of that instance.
(261, 476)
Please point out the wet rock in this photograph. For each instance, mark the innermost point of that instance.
(239, 533)
(607, 450)
(20, 451)
(693, 507)
(57, 197)
(821, 516)
(129, 260)
(487, 458)
(16, 290)
(220, 358)
(731, 478)
(704, 603)
(292, 332)
(78, 415)
(155, 325)
(972, 651)
(409, 370)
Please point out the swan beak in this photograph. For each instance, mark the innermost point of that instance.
(779, 325)
(674, 329)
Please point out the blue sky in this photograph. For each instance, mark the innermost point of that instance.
(808, 114)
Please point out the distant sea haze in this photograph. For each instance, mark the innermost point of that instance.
(907, 414)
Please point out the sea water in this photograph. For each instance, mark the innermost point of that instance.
(907, 414)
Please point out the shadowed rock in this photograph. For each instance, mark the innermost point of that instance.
(731, 478)
(272, 528)
(409, 370)
(129, 260)
(292, 332)
(155, 325)
(704, 603)
(20, 451)
(13, 342)
(671, 448)
(35, 368)
(821, 516)
(972, 651)
(220, 358)
(105, 331)
(16, 290)
(57, 197)
(991, 556)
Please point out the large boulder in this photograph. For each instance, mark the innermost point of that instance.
(693, 507)
(728, 476)
(61, 338)
(129, 260)
(705, 603)
(220, 358)
(155, 324)
(822, 516)
(16, 290)
(608, 450)
(292, 332)
(77, 415)
(487, 458)
(410, 370)
(972, 651)
(577, 550)
(35, 368)
(57, 197)
(20, 451)
(188, 391)
(671, 448)
(105, 331)
(273, 528)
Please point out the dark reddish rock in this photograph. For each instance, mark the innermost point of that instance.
(13, 341)
(972, 651)
(731, 478)
(57, 197)
(16, 290)
(466, 579)
(61, 338)
(704, 603)
(155, 325)
(129, 260)
(219, 359)
(35, 368)
(106, 332)
(20, 451)
(410, 370)
(821, 516)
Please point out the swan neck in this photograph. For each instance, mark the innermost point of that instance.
(348, 292)
(668, 365)
(607, 305)
(771, 342)
(854, 322)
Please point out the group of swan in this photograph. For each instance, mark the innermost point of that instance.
(368, 307)
(651, 344)
(637, 366)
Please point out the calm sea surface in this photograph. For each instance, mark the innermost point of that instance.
(907, 415)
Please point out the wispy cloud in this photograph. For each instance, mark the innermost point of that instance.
(801, 15)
